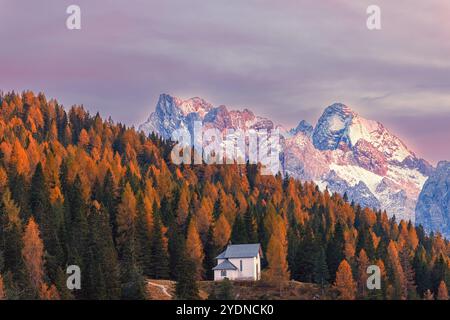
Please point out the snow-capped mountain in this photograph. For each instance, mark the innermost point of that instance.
(360, 157)
(433, 206)
(343, 151)
(173, 113)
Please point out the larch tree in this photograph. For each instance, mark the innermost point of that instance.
(183, 205)
(363, 263)
(204, 216)
(222, 231)
(19, 159)
(126, 216)
(277, 249)
(344, 283)
(2, 289)
(33, 256)
(276, 255)
(400, 285)
(194, 249)
(409, 273)
(442, 291)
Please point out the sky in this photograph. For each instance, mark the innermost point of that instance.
(286, 60)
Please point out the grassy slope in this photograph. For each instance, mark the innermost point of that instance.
(244, 290)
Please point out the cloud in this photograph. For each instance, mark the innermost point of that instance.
(284, 60)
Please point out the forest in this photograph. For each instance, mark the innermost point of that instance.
(76, 189)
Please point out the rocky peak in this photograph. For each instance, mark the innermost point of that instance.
(303, 127)
(332, 128)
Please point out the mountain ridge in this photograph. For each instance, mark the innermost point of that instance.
(343, 151)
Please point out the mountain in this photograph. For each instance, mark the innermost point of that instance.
(343, 152)
(173, 113)
(350, 154)
(433, 206)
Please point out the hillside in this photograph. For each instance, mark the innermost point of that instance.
(244, 290)
(78, 190)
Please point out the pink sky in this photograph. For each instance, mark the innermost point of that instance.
(286, 60)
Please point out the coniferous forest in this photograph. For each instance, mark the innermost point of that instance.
(76, 189)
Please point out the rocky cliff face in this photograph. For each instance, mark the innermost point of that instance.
(433, 206)
(343, 151)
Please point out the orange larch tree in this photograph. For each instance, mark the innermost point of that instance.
(344, 283)
(33, 257)
(194, 248)
(2, 289)
(442, 291)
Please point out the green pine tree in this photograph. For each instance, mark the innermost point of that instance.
(239, 232)
(159, 267)
(186, 287)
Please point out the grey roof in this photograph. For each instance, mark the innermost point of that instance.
(225, 265)
(221, 256)
(240, 251)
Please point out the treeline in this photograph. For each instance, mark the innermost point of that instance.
(78, 190)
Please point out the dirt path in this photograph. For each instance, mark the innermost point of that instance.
(162, 287)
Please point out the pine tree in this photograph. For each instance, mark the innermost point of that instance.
(423, 274)
(39, 198)
(186, 287)
(321, 275)
(335, 250)
(306, 257)
(176, 247)
(211, 251)
(224, 291)
(239, 232)
(144, 224)
(159, 260)
(131, 275)
(76, 224)
(49, 223)
(440, 272)
(11, 240)
(61, 285)
(103, 271)
(109, 200)
(344, 283)
(250, 225)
